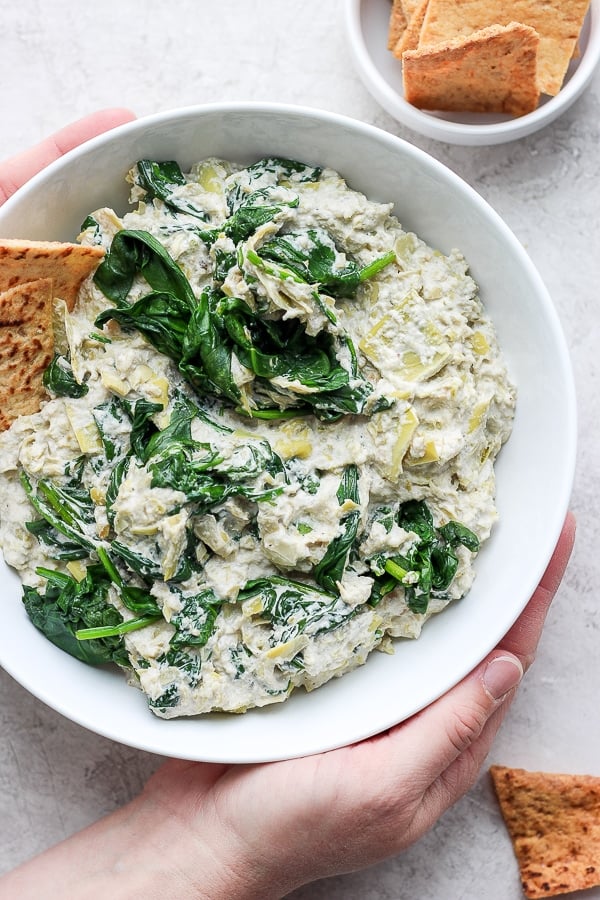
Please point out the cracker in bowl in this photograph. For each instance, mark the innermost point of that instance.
(492, 70)
(66, 264)
(33, 274)
(26, 346)
(455, 50)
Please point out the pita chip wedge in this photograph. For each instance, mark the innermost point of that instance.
(558, 23)
(554, 824)
(67, 265)
(412, 33)
(491, 70)
(410, 8)
(26, 348)
(397, 24)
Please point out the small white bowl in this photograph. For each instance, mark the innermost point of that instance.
(534, 472)
(367, 30)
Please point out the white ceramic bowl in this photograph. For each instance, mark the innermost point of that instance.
(367, 28)
(534, 471)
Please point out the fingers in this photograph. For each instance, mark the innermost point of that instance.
(433, 739)
(17, 170)
(523, 637)
(460, 775)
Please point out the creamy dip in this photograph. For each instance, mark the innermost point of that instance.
(269, 442)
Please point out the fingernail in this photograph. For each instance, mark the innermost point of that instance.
(502, 674)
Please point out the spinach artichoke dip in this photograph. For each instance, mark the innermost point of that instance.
(268, 443)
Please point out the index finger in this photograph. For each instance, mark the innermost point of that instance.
(18, 169)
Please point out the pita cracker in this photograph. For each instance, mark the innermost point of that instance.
(492, 70)
(397, 24)
(412, 32)
(26, 348)
(410, 8)
(558, 23)
(554, 824)
(67, 265)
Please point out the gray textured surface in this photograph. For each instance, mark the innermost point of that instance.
(54, 776)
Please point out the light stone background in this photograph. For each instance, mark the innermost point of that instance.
(62, 60)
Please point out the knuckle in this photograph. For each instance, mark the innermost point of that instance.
(466, 726)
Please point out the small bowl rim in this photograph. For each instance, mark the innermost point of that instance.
(469, 133)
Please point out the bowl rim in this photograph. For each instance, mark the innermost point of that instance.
(173, 743)
(469, 133)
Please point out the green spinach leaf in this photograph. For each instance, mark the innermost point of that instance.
(67, 606)
(160, 179)
(296, 608)
(431, 558)
(330, 570)
(59, 379)
(135, 252)
(313, 256)
(195, 621)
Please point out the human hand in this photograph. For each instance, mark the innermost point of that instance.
(273, 827)
(16, 170)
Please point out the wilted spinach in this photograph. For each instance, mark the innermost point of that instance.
(189, 664)
(312, 256)
(58, 547)
(296, 608)
(250, 214)
(431, 558)
(160, 179)
(272, 170)
(59, 379)
(203, 338)
(68, 606)
(195, 622)
(330, 570)
(135, 252)
(67, 511)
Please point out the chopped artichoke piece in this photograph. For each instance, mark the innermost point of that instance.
(405, 247)
(408, 423)
(144, 529)
(98, 496)
(88, 439)
(414, 369)
(174, 532)
(158, 390)
(429, 455)
(253, 606)
(154, 386)
(84, 428)
(477, 416)
(77, 568)
(370, 291)
(479, 343)
(369, 344)
(113, 383)
(294, 442)
(433, 334)
(209, 179)
(59, 327)
(288, 649)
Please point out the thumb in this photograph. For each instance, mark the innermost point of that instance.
(442, 732)
(443, 747)
(16, 170)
